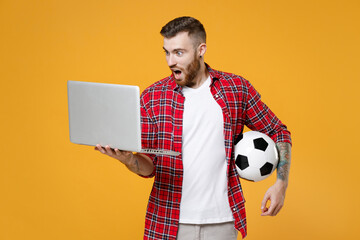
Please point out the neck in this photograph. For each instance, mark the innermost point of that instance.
(202, 75)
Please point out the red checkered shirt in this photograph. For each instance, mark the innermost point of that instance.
(162, 107)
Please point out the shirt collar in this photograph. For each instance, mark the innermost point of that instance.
(213, 74)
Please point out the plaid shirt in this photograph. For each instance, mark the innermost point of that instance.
(162, 107)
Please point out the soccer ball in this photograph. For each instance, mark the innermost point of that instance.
(256, 156)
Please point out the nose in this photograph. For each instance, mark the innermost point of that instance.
(171, 61)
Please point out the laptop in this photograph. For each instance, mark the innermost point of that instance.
(107, 114)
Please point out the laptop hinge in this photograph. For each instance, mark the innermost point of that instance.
(160, 152)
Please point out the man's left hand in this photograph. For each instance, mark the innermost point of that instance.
(276, 195)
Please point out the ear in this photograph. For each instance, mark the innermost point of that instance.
(202, 49)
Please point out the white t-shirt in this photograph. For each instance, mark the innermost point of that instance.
(204, 192)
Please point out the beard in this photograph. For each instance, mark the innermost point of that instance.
(192, 71)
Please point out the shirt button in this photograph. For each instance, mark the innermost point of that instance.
(234, 209)
(216, 95)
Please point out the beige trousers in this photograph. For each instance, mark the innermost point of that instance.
(217, 231)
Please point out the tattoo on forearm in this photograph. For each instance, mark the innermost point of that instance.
(134, 166)
(283, 168)
(137, 168)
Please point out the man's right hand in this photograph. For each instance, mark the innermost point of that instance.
(122, 156)
(137, 163)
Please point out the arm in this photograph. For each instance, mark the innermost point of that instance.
(259, 117)
(276, 193)
(137, 163)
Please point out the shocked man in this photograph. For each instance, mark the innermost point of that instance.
(200, 112)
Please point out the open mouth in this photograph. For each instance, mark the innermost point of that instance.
(177, 73)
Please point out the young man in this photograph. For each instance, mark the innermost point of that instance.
(200, 112)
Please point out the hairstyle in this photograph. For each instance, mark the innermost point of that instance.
(185, 24)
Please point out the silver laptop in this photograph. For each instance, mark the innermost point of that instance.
(107, 114)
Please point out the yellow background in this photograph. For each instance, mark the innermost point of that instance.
(303, 57)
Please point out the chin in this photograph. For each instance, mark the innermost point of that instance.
(181, 82)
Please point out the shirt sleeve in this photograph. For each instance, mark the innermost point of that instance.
(258, 117)
(148, 134)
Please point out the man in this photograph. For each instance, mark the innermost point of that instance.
(200, 112)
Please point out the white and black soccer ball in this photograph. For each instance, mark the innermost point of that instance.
(256, 156)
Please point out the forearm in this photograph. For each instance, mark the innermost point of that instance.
(276, 193)
(284, 150)
(140, 164)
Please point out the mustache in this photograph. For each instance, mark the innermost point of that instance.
(174, 67)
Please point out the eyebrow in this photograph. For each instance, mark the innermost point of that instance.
(176, 49)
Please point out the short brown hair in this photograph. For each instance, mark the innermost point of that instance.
(185, 24)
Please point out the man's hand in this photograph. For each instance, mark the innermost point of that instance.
(137, 163)
(122, 156)
(276, 195)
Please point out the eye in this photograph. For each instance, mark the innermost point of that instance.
(166, 52)
(179, 53)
